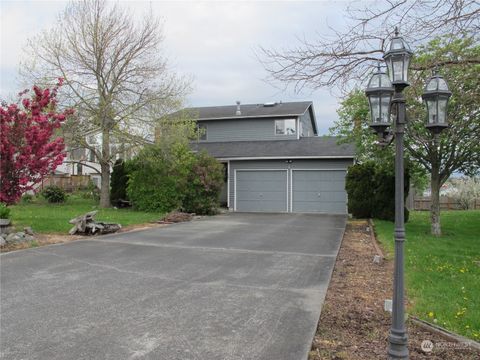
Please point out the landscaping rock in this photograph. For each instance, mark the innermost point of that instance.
(28, 230)
(2, 241)
(13, 238)
(18, 237)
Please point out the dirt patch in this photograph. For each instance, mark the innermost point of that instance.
(353, 324)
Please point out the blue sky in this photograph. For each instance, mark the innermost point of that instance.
(214, 42)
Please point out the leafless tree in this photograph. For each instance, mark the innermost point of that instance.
(114, 73)
(343, 58)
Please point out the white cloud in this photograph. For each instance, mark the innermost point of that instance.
(213, 41)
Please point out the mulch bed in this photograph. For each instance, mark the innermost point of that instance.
(175, 217)
(353, 323)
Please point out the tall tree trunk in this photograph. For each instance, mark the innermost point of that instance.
(435, 206)
(105, 170)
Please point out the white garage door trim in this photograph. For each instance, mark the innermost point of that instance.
(291, 184)
(235, 185)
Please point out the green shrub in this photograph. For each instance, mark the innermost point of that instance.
(204, 184)
(118, 183)
(54, 194)
(384, 197)
(371, 191)
(91, 191)
(157, 177)
(27, 198)
(4, 211)
(163, 179)
(360, 189)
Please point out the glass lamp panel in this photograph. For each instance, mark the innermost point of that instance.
(442, 110)
(389, 67)
(374, 81)
(375, 108)
(397, 69)
(432, 85)
(385, 81)
(406, 64)
(385, 108)
(442, 84)
(397, 44)
(432, 111)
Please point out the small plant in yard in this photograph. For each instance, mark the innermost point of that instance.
(27, 198)
(91, 191)
(54, 194)
(4, 211)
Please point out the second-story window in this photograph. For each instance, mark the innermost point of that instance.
(202, 131)
(286, 127)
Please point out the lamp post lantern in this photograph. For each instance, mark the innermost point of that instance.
(379, 92)
(384, 96)
(436, 95)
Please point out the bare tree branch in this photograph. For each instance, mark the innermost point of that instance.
(114, 70)
(343, 58)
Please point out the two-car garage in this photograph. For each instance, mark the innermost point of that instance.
(296, 186)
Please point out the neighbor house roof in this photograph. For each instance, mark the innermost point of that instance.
(305, 147)
(248, 110)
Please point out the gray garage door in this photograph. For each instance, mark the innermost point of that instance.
(261, 190)
(319, 191)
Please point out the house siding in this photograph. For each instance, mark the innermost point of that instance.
(327, 164)
(243, 130)
(306, 125)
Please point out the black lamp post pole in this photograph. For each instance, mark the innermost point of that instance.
(398, 334)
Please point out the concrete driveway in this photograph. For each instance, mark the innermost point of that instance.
(236, 286)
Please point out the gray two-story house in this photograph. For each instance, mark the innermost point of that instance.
(274, 159)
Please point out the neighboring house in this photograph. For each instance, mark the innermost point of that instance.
(83, 161)
(274, 159)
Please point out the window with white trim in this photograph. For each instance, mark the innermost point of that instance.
(286, 127)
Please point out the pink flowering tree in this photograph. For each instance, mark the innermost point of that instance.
(29, 149)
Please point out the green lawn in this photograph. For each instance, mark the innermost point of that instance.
(53, 218)
(442, 274)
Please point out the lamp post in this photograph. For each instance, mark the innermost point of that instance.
(384, 94)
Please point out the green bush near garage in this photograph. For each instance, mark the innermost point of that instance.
(164, 179)
(371, 191)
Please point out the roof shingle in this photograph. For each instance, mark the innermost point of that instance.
(315, 146)
(247, 110)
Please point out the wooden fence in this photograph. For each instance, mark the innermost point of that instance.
(446, 203)
(69, 183)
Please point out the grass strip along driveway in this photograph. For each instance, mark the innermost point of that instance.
(353, 324)
(442, 274)
(45, 217)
